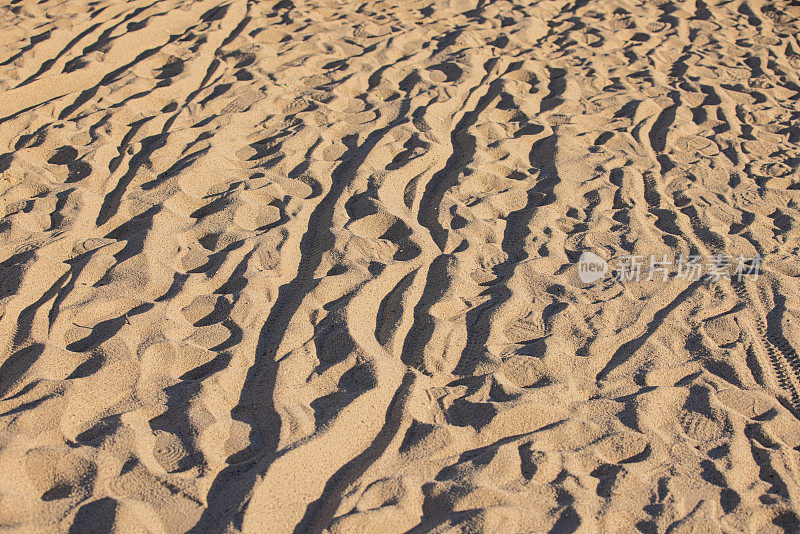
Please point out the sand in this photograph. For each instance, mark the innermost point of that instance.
(314, 266)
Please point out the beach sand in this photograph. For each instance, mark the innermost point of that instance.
(314, 266)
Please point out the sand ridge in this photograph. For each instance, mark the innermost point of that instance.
(311, 266)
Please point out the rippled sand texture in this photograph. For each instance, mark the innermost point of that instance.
(303, 266)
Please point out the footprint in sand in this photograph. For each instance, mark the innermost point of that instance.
(169, 452)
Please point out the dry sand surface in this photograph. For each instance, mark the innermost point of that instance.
(306, 266)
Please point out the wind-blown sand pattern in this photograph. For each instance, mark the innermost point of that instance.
(311, 266)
